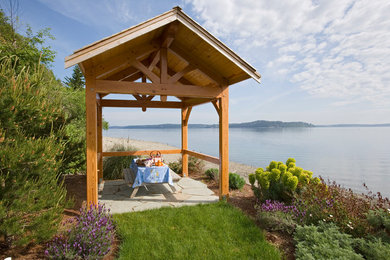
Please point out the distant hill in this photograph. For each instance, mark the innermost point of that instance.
(254, 124)
(162, 126)
(264, 123)
(355, 125)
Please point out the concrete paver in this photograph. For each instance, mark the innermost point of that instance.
(116, 195)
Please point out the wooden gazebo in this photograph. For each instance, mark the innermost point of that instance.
(169, 55)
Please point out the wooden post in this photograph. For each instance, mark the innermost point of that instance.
(163, 69)
(143, 81)
(100, 142)
(163, 65)
(91, 113)
(185, 115)
(224, 145)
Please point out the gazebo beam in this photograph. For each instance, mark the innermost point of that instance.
(91, 114)
(124, 87)
(120, 62)
(182, 80)
(148, 73)
(163, 65)
(203, 68)
(185, 116)
(169, 34)
(100, 141)
(136, 103)
(178, 75)
(217, 106)
(124, 74)
(144, 98)
(154, 60)
(195, 101)
(224, 145)
(133, 77)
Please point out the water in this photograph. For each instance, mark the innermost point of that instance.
(349, 155)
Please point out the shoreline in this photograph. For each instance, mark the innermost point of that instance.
(234, 167)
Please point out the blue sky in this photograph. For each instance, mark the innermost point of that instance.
(322, 62)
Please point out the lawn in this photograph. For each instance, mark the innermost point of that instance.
(211, 231)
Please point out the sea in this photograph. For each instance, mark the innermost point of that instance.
(351, 156)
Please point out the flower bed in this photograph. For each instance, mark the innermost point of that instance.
(311, 203)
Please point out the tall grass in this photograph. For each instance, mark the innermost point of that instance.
(113, 166)
(195, 165)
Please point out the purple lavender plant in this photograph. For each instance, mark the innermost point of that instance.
(90, 238)
(277, 216)
(277, 206)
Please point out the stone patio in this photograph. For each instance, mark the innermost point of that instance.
(116, 195)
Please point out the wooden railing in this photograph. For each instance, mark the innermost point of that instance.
(201, 156)
(145, 152)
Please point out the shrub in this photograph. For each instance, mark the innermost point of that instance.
(90, 238)
(113, 166)
(74, 157)
(35, 104)
(176, 166)
(279, 181)
(195, 165)
(30, 104)
(272, 206)
(277, 221)
(373, 249)
(236, 182)
(32, 198)
(276, 216)
(324, 241)
(379, 219)
(212, 173)
(31, 151)
(338, 205)
(317, 203)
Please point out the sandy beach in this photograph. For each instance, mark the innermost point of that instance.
(108, 142)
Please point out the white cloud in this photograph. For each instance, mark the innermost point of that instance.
(330, 48)
(105, 14)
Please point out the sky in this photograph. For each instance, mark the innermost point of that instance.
(322, 62)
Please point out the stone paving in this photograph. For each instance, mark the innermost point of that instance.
(116, 195)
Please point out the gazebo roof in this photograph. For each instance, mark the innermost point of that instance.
(204, 60)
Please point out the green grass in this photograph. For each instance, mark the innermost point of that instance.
(210, 231)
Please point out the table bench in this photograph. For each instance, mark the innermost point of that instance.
(142, 175)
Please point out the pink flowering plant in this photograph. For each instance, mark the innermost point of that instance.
(90, 238)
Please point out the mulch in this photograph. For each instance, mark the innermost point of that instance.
(76, 190)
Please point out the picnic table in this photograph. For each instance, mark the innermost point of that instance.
(149, 175)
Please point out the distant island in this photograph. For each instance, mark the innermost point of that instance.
(355, 125)
(254, 124)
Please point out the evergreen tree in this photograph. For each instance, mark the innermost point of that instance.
(32, 138)
(26, 51)
(77, 81)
